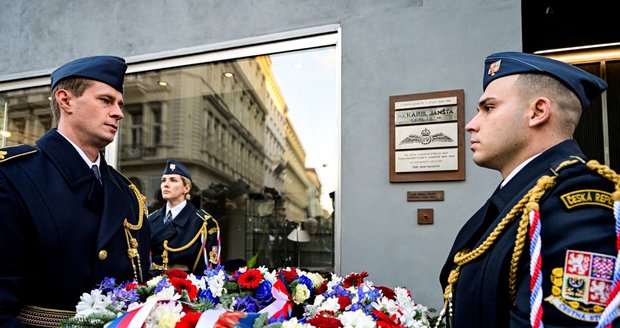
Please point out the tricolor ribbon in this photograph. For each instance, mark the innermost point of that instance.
(613, 301)
(282, 305)
(134, 318)
(536, 311)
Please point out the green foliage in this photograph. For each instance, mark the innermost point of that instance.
(251, 263)
(91, 321)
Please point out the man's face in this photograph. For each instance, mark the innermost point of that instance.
(96, 114)
(173, 189)
(499, 129)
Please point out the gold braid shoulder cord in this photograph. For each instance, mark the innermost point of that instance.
(525, 205)
(201, 232)
(132, 243)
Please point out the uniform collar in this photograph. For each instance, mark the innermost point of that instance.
(176, 210)
(82, 153)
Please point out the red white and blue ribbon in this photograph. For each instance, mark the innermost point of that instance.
(535, 271)
(134, 318)
(613, 301)
(282, 305)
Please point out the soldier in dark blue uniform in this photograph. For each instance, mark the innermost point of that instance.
(523, 129)
(64, 226)
(183, 236)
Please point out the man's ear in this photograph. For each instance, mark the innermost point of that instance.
(539, 112)
(64, 99)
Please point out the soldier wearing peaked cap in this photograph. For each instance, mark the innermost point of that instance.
(66, 225)
(542, 249)
(183, 236)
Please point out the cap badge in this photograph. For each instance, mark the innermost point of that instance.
(494, 67)
(172, 167)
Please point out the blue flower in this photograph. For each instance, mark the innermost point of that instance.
(214, 272)
(107, 284)
(306, 281)
(263, 292)
(205, 295)
(246, 304)
(163, 283)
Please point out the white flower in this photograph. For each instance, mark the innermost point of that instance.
(93, 303)
(243, 269)
(331, 304)
(165, 315)
(216, 284)
(388, 305)
(272, 276)
(334, 281)
(199, 283)
(153, 282)
(357, 319)
(317, 279)
(301, 293)
(292, 323)
(167, 293)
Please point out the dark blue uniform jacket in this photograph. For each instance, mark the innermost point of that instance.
(56, 242)
(179, 233)
(481, 296)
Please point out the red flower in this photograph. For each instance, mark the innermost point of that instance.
(289, 275)
(325, 319)
(176, 273)
(387, 292)
(250, 279)
(321, 289)
(384, 321)
(131, 286)
(344, 301)
(183, 284)
(354, 279)
(189, 320)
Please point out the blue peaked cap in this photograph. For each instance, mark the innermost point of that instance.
(174, 167)
(583, 84)
(107, 69)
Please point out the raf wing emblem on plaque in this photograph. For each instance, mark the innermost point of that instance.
(426, 138)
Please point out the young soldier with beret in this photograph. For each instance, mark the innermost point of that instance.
(183, 236)
(67, 218)
(543, 247)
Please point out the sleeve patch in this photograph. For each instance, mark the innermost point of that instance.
(587, 197)
(580, 289)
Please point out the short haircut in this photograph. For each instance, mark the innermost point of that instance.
(567, 103)
(76, 86)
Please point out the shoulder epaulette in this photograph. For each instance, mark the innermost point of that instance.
(566, 163)
(16, 152)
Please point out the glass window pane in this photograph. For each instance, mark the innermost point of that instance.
(258, 134)
(259, 137)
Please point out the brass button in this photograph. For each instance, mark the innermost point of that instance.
(103, 254)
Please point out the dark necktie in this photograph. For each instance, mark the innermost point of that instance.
(96, 194)
(95, 169)
(168, 217)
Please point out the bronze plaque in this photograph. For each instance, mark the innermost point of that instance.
(421, 196)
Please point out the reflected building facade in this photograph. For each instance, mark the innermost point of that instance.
(227, 123)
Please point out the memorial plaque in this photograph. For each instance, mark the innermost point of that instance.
(427, 137)
(421, 196)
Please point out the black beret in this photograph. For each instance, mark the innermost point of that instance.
(174, 167)
(107, 69)
(583, 84)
